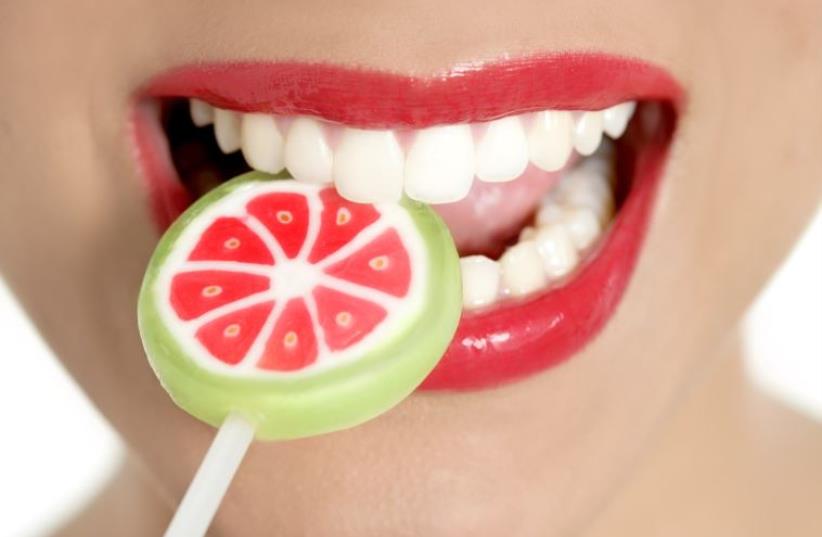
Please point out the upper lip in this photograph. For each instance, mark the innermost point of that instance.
(508, 342)
(376, 99)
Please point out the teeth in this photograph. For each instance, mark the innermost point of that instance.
(588, 133)
(368, 166)
(440, 164)
(549, 213)
(522, 271)
(616, 118)
(527, 233)
(502, 154)
(202, 113)
(549, 140)
(584, 187)
(480, 281)
(262, 143)
(307, 154)
(227, 130)
(582, 223)
(568, 223)
(583, 227)
(559, 256)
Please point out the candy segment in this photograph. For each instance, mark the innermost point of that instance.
(286, 216)
(340, 222)
(344, 319)
(293, 343)
(230, 337)
(197, 292)
(229, 239)
(382, 264)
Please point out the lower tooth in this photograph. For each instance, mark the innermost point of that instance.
(583, 188)
(262, 143)
(527, 234)
(582, 226)
(227, 130)
(480, 281)
(521, 267)
(559, 256)
(549, 213)
(582, 223)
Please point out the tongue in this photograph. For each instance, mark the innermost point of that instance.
(493, 213)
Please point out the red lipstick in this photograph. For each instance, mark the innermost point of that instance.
(515, 338)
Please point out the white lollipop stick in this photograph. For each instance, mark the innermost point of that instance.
(206, 491)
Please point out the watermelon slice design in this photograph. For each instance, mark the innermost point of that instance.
(267, 289)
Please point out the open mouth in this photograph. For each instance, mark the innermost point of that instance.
(543, 168)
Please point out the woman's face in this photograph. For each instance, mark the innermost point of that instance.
(532, 457)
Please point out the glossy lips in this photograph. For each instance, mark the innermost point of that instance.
(514, 338)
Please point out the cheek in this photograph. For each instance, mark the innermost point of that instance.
(74, 233)
(741, 184)
(69, 211)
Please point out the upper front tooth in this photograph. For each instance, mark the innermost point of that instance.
(440, 164)
(227, 130)
(588, 133)
(522, 270)
(616, 118)
(550, 139)
(308, 156)
(262, 143)
(368, 166)
(202, 113)
(480, 280)
(557, 250)
(502, 153)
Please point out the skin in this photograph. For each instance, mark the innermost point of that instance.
(540, 457)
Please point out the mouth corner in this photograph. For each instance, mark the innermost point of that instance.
(166, 195)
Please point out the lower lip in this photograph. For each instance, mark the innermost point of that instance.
(517, 338)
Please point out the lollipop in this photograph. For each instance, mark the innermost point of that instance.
(280, 310)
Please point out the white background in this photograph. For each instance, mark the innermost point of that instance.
(55, 450)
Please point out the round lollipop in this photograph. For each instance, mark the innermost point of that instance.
(278, 309)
